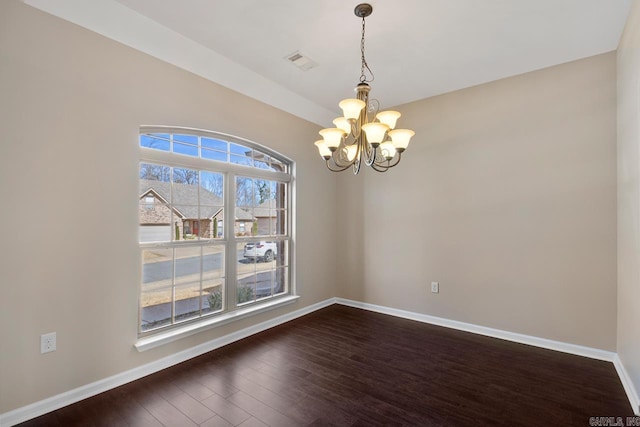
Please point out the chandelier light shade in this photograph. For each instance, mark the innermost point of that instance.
(389, 118)
(363, 134)
(351, 108)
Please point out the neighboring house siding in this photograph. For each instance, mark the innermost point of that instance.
(155, 213)
(265, 225)
(266, 216)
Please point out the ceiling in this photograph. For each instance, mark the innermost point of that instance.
(416, 48)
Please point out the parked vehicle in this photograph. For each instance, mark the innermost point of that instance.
(264, 251)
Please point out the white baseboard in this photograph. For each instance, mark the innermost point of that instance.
(72, 396)
(627, 384)
(56, 402)
(578, 350)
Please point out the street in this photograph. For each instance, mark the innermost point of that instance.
(156, 271)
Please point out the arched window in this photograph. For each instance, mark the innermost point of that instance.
(214, 227)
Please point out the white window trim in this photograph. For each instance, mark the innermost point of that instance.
(180, 332)
(163, 336)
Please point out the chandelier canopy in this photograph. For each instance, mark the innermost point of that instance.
(363, 133)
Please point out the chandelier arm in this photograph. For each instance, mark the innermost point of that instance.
(370, 155)
(339, 163)
(339, 168)
(357, 162)
(373, 108)
(378, 167)
(356, 130)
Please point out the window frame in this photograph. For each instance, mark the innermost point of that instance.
(230, 171)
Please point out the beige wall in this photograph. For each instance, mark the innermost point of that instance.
(72, 103)
(629, 197)
(514, 185)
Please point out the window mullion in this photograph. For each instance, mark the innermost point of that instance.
(173, 249)
(173, 286)
(231, 250)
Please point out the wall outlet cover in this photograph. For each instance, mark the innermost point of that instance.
(48, 342)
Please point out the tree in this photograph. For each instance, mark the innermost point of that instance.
(244, 191)
(264, 192)
(185, 176)
(155, 172)
(212, 182)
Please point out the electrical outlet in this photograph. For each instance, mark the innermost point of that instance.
(435, 287)
(47, 343)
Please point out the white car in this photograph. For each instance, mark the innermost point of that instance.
(265, 251)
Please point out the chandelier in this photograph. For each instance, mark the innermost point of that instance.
(363, 134)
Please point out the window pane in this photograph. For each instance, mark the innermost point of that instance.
(158, 141)
(264, 284)
(151, 172)
(246, 258)
(265, 190)
(213, 297)
(213, 263)
(187, 226)
(279, 222)
(239, 149)
(188, 301)
(246, 273)
(257, 262)
(187, 139)
(282, 253)
(211, 188)
(215, 144)
(188, 150)
(183, 176)
(215, 155)
(155, 222)
(240, 160)
(281, 282)
(157, 268)
(185, 200)
(246, 291)
(261, 164)
(262, 202)
(244, 192)
(240, 155)
(216, 225)
(155, 308)
(187, 264)
(154, 211)
(208, 228)
(279, 166)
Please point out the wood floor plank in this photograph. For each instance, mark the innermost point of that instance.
(254, 422)
(216, 421)
(226, 409)
(262, 411)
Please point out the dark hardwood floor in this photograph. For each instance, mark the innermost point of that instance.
(342, 366)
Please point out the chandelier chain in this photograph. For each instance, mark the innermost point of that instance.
(364, 66)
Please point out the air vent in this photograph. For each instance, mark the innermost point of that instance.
(301, 61)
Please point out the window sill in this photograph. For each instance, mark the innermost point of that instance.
(175, 334)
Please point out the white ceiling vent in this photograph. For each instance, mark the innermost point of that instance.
(301, 61)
